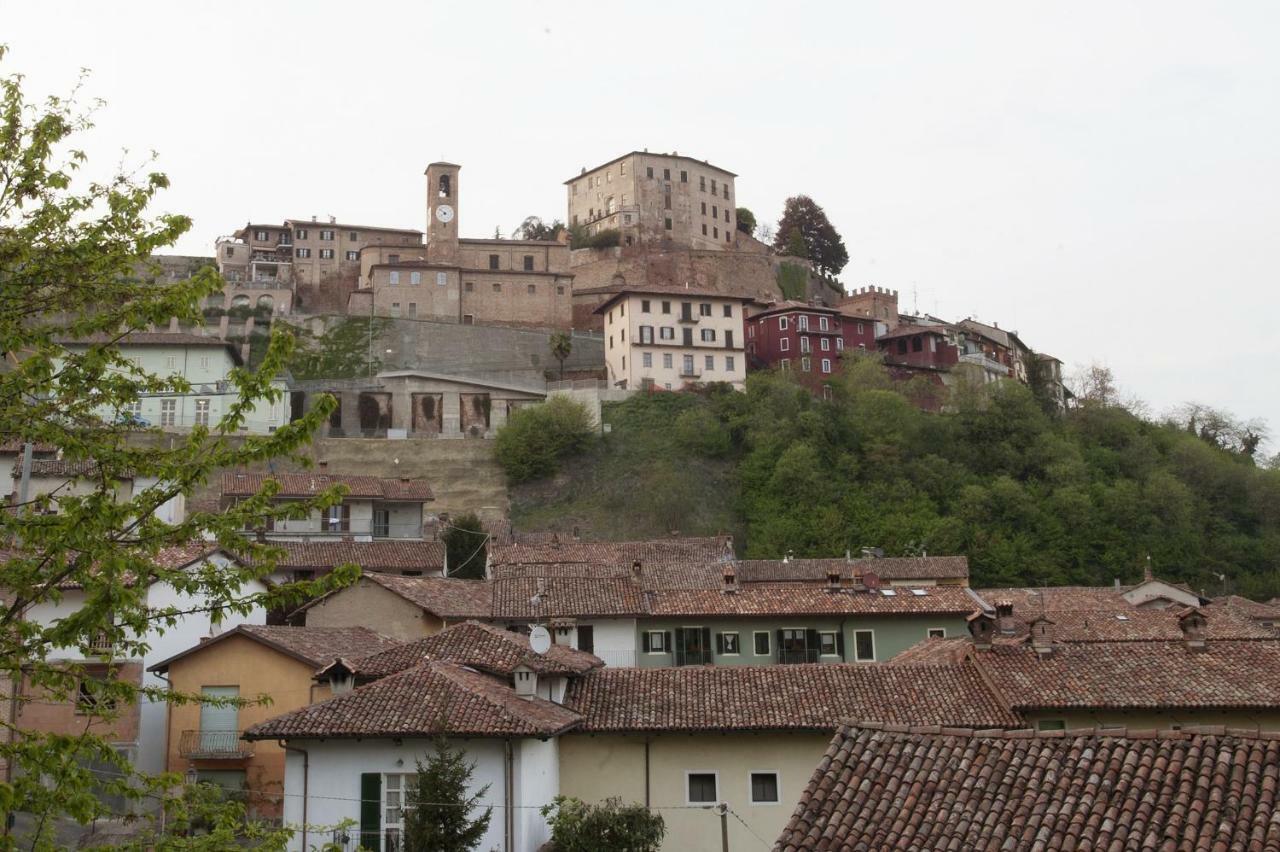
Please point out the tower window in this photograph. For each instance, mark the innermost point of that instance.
(493, 261)
(446, 186)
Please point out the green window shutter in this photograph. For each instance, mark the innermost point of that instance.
(719, 643)
(666, 634)
(778, 650)
(840, 643)
(371, 811)
(706, 641)
(644, 641)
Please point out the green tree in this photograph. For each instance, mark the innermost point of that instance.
(534, 228)
(561, 348)
(746, 221)
(466, 543)
(535, 439)
(822, 243)
(609, 826)
(69, 251)
(437, 815)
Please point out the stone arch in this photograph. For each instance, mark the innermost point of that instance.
(266, 303)
(241, 301)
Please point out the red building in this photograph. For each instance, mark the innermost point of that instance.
(806, 339)
(927, 346)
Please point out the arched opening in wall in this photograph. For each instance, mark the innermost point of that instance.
(446, 186)
(474, 411)
(428, 413)
(375, 414)
(266, 303)
(239, 301)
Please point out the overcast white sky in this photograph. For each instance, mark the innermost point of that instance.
(1103, 177)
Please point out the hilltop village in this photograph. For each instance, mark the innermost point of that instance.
(852, 701)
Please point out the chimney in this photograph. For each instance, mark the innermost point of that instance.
(1117, 584)
(730, 580)
(982, 628)
(526, 682)
(1004, 618)
(635, 569)
(833, 579)
(1192, 621)
(1147, 576)
(576, 534)
(323, 465)
(1042, 636)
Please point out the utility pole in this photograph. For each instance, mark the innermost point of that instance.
(722, 808)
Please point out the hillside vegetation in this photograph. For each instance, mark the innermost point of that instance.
(1029, 497)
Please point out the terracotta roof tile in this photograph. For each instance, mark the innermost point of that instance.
(766, 599)
(305, 485)
(547, 597)
(479, 646)
(1140, 625)
(386, 555)
(61, 468)
(446, 597)
(312, 645)
(1236, 605)
(422, 701)
(879, 789)
(888, 568)
(803, 697)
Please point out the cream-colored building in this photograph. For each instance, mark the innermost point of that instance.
(672, 337)
(656, 199)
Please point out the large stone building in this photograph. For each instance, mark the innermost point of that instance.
(516, 282)
(656, 199)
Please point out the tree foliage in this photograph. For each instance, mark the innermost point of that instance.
(609, 826)
(69, 251)
(465, 542)
(344, 350)
(746, 220)
(535, 439)
(561, 344)
(437, 815)
(534, 228)
(805, 224)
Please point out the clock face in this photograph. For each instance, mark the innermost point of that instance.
(444, 213)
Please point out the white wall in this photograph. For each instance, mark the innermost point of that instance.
(172, 511)
(334, 782)
(615, 641)
(537, 782)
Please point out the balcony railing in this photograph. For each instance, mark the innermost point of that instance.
(694, 658)
(101, 644)
(805, 655)
(617, 659)
(690, 373)
(213, 745)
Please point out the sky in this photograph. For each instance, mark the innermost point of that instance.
(1101, 177)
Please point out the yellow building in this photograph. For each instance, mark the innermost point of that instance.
(247, 664)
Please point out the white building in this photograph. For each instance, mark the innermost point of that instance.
(672, 337)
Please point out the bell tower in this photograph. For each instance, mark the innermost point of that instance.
(442, 213)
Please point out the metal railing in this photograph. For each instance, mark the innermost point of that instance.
(808, 655)
(618, 659)
(213, 745)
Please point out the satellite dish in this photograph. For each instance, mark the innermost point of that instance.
(539, 639)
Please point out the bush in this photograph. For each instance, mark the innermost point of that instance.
(699, 431)
(465, 543)
(607, 827)
(608, 238)
(534, 440)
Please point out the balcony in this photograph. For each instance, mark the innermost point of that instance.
(213, 745)
(617, 659)
(798, 655)
(688, 373)
(102, 644)
(691, 319)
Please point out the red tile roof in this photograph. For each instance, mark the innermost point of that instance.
(1236, 605)
(934, 652)
(545, 597)
(62, 468)
(1137, 625)
(479, 646)
(880, 789)
(387, 555)
(767, 599)
(419, 702)
(314, 646)
(888, 568)
(782, 697)
(913, 330)
(446, 597)
(1148, 675)
(675, 550)
(305, 485)
(15, 445)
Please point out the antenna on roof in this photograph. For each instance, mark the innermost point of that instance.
(539, 639)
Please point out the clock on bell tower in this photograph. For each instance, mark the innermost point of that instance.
(442, 213)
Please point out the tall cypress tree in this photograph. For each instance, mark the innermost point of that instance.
(437, 815)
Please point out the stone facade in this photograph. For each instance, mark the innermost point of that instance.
(656, 200)
(879, 303)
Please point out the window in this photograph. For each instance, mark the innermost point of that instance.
(533, 289)
(395, 309)
(937, 633)
(802, 323)
(728, 363)
(784, 344)
(646, 359)
(302, 233)
(839, 344)
(751, 331)
(826, 364)
(468, 319)
(760, 640)
(704, 309)
(687, 366)
(655, 642)
(646, 334)
(782, 323)
(622, 169)
(666, 200)
(396, 790)
(708, 335)
(704, 229)
(132, 409)
(666, 360)
(666, 307)
(204, 362)
(726, 214)
(353, 236)
(393, 258)
(684, 177)
(497, 287)
(804, 344)
(666, 332)
(1051, 725)
(710, 361)
(917, 345)
(326, 235)
(666, 223)
(785, 363)
(624, 363)
(826, 343)
(648, 172)
(828, 645)
(336, 518)
(715, 212)
(353, 255)
(304, 252)
(644, 306)
(415, 278)
(89, 693)
(806, 364)
(728, 643)
(726, 190)
(493, 261)
(702, 185)
(261, 236)
(393, 277)
(715, 232)
(764, 788)
(229, 251)
(860, 328)
(442, 278)
(168, 411)
(559, 289)
(666, 174)
(728, 310)
(864, 646)
(202, 412)
(702, 788)
(528, 263)
(713, 186)
(470, 286)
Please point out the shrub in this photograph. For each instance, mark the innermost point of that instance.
(534, 440)
(465, 543)
(699, 431)
(608, 827)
